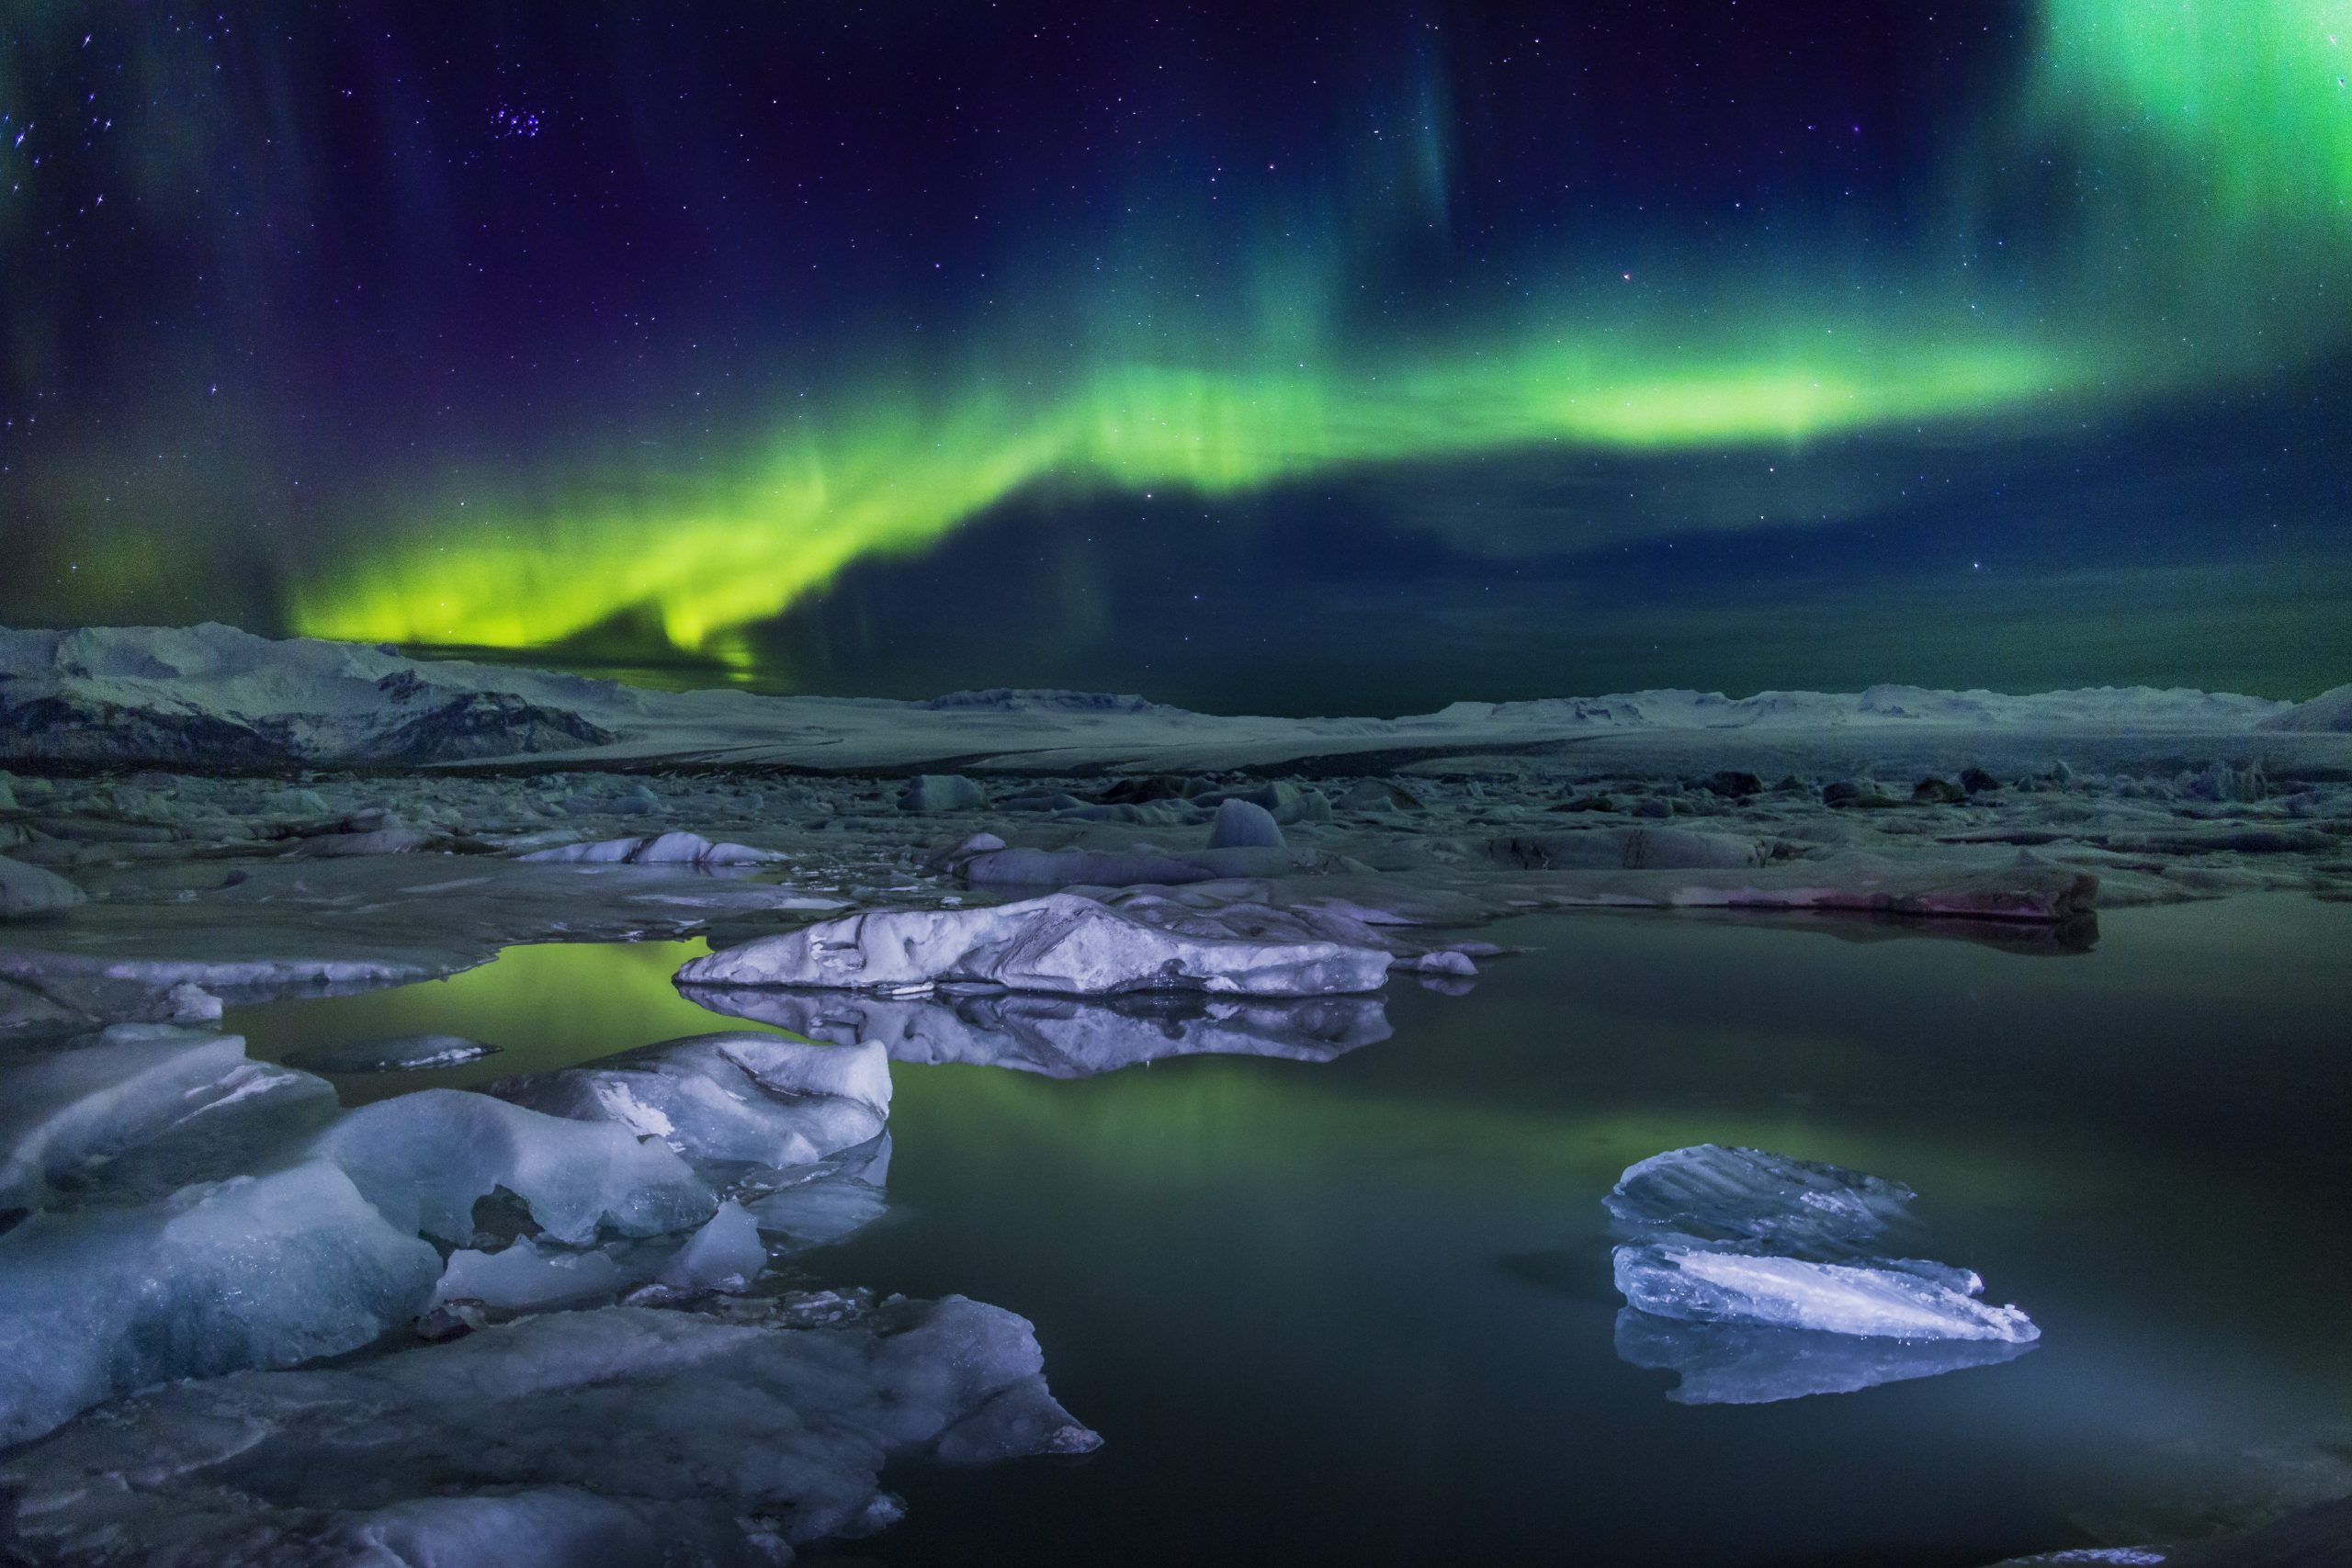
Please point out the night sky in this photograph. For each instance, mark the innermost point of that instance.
(1283, 357)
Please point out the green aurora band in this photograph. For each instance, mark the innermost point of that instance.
(2199, 246)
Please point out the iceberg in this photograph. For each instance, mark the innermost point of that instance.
(254, 1272)
(746, 1097)
(139, 1110)
(1714, 1194)
(426, 1159)
(1062, 943)
(1744, 1239)
(621, 1435)
(29, 890)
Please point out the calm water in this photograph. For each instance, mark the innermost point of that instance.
(1360, 1311)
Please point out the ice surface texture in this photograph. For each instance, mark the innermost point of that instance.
(1062, 943)
(616, 1436)
(252, 1271)
(138, 1110)
(755, 1098)
(1743, 1240)
(1886, 1298)
(28, 890)
(426, 1159)
(662, 849)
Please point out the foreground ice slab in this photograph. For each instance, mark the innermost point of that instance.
(426, 1159)
(1727, 1363)
(254, 1271)
(748, 1097)
(616, 1436)
(1063, 944)
(1064, 1037)
(1743, 1240)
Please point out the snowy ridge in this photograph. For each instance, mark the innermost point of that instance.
(214, 696)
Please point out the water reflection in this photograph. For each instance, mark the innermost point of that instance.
(1738, 1363)
(1064, 1037)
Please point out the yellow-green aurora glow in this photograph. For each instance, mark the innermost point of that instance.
(2221, 137)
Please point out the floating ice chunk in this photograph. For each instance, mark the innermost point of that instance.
(1712, 1193)
(525, 1276)
(28, 890)
(942, 792)
(426, 1159)
(663, 849)
(141, 1108)
(1728, 1363)
(1064, 1037)
(1898, 1299)
(830, 1202)
(621, 1436)
(740, 1096)
(1244, 824)
(254, 1272)
(395, 1054)
(1721, 1235)
(1061, 944)
(725, 1255)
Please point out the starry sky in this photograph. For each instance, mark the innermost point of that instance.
(1348, 356)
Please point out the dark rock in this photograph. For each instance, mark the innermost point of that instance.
(1732, 785)
(1976, 781)
(1932, 791)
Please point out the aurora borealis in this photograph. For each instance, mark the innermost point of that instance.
(679, 336)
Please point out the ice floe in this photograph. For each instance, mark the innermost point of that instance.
(622, 1435)
(1061, 944)
(744, 1097)
(1763, 1260)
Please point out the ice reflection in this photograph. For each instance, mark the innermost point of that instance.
(1739, 1363)
(1063, 1037)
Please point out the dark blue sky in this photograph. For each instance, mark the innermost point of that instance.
(1291, 357)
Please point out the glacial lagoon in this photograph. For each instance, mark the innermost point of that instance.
(1358, 1308)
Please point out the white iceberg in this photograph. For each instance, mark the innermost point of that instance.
(426, 1159)
(1062, 943)
(622, 1437)
(742, 1096)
